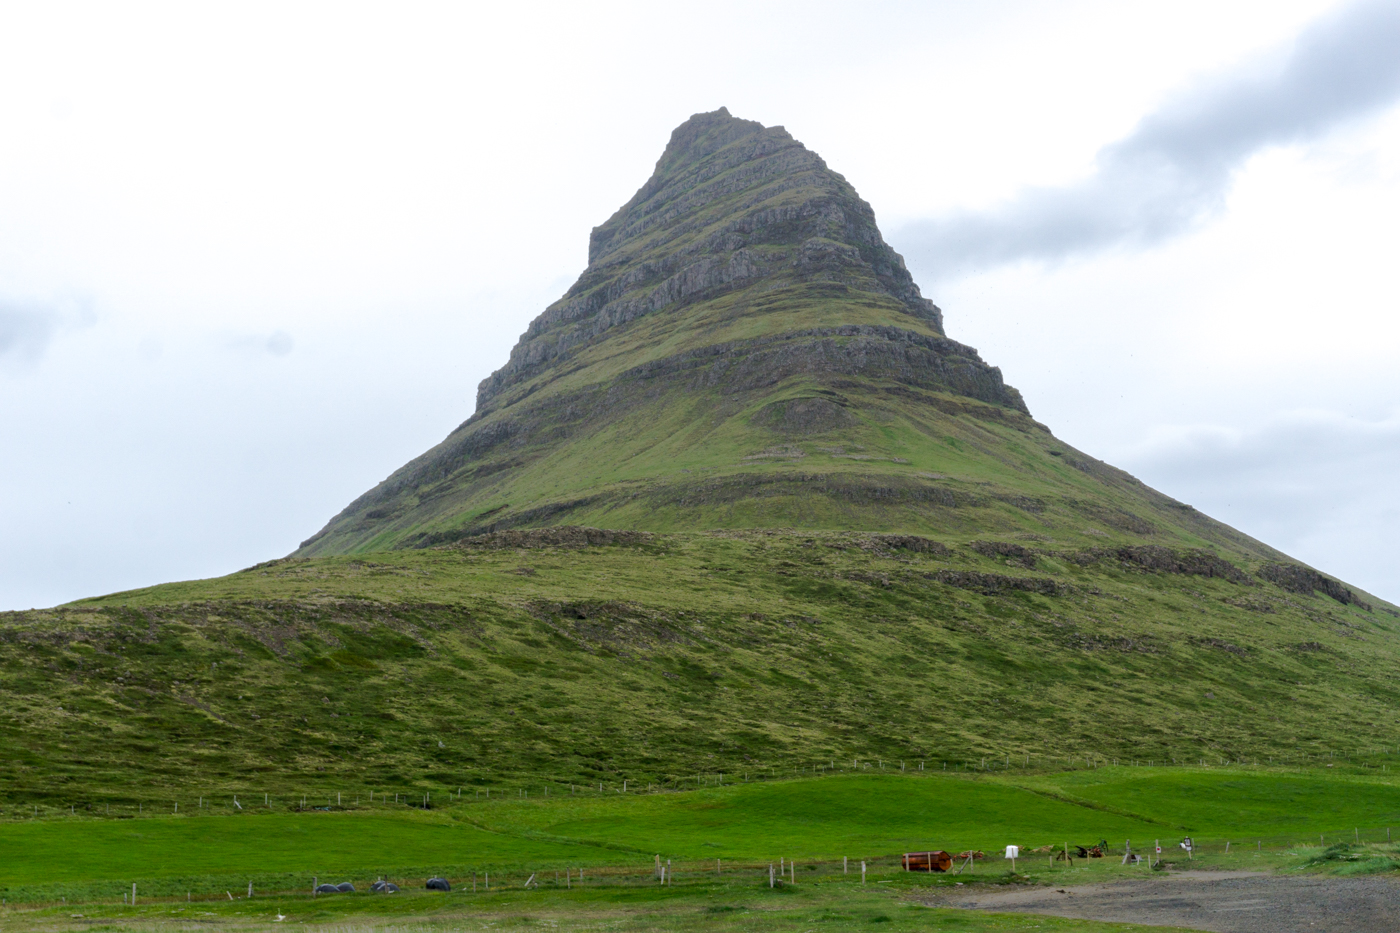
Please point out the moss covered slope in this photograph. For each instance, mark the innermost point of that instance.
(588, 655)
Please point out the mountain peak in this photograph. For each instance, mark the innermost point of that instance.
(744, 350)
(702, 135)
(732, 206)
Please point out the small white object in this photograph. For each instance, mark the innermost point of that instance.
(1013, 852)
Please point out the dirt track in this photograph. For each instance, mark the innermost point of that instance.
(1225, 902)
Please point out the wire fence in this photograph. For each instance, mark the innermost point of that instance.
(223, 801)
(1035, 857)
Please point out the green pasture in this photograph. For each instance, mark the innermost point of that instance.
(277, 842)
(813, 820)
(1273, 804)
(733, 904)
(856, 816)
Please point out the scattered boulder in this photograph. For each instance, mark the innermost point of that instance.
(438, 884)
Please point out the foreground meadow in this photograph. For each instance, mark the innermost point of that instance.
(589, 862)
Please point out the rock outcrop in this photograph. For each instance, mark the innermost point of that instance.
(731, 204)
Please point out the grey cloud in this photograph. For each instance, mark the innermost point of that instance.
(1317, 484)
(26, 330)
(279, 343)
(1289, 452)
(1176, 167)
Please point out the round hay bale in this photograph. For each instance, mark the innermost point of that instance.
(438, 884)
(345, 887)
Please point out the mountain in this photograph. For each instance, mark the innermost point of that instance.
(744, 350)
(736, 503)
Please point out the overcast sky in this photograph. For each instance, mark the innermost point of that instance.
(253, 258)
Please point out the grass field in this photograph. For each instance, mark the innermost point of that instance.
(736, 829)
(1269, 804)
(718, 840)
(712, 906)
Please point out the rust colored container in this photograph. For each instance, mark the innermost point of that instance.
(928, 861)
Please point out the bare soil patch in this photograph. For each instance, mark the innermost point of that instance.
(1225, 902)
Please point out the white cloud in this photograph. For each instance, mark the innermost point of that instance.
(1176, 167)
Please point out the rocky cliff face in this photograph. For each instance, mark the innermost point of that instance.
(731, 205)
(745, 350)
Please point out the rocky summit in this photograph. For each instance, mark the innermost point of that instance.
(745, 350)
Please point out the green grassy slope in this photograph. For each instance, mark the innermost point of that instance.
(914, 461)
(526, 657)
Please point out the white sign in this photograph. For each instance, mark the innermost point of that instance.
(1013, 851)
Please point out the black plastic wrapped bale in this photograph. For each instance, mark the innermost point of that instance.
(438, 884)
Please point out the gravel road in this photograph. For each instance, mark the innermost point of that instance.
(1226, 902)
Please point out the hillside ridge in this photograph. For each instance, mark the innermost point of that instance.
(575, 653)
(744, 350)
